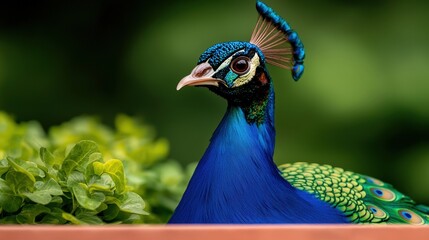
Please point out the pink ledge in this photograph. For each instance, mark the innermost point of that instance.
(236, 232)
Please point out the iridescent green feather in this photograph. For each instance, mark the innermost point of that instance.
(361, 198)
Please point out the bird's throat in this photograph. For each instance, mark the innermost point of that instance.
(255, 112)
(258, 106)
(255, 98)
(237, 165)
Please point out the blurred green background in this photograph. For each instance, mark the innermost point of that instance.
(362, 103)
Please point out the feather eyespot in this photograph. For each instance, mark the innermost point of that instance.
(410, 216)
(240, 65)
(378, 212)
(374, 181)
(383, 194)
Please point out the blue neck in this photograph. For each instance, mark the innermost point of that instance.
(236, 181)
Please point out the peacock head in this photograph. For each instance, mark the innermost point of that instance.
(232, 69)
(237, 70)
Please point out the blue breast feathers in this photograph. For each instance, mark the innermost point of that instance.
(236, 181)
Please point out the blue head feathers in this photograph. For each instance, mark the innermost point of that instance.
(217, 53)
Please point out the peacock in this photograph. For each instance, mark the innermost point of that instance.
(237, 181)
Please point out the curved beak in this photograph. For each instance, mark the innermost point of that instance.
(201, 75)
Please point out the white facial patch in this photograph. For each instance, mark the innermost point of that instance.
(245, 78)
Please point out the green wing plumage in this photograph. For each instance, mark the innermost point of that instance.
(361, 198)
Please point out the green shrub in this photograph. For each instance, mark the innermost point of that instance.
(72, 173)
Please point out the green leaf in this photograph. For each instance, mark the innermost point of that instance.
(75, 178)
(115, 169)
(47, 157)
(82, 151)
(71, 218)
(95, 157)
(49, 219)
(170, 174)
(18, 168)
(64, 179)
(54, 217)
(20, 182)
(9, 202)
(129, 218)
(29, 213)
(84, 218)
(39, 197)
(51, 187)
(43, 194)
(19, 149)
(89, 218)
(98, 168)
(111, 212)
(102, 183)
(101, 208)
(56, 200)
(4, 166)
(32, 168)
(131, 203)
(68, 166)
(86, 199)
(8, 220)
(80, 156)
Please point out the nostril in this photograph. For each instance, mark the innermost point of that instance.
(202, 72)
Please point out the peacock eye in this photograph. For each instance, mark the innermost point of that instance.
(240, 65)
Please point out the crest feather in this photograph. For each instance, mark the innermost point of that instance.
(281, 45)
